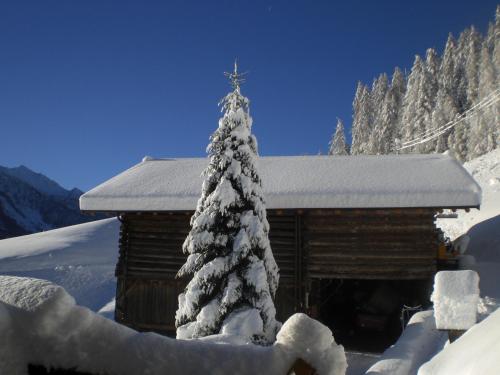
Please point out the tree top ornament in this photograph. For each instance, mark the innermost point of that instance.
(235, 78)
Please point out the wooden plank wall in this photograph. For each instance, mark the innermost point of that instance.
(151, 254)
(370, 244)
(307, 244)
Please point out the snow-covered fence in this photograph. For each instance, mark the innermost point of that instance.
(40, 324)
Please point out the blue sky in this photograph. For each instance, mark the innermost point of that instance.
(87, 88)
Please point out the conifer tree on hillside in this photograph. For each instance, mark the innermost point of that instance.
(460, 76)
(437, 94)
(496, 42)
(411, 102)
(234, 274)
(472, 58)
(361, 124)
(428, 93)
(377, 98)
(483, 135)
(338, 144)
(398, 90)
(385, 130)
(446, 108)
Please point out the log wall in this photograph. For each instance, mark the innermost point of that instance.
(370, 244)
(307, 244)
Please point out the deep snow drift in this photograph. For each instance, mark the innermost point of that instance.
(482, 226)
(40, 324)
(476, 352)
(81, 258)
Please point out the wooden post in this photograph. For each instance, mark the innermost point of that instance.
(301, 367)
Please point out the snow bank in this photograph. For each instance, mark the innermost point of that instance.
(417, 344)
(484, 169)
(298, 182)
(475, 352)
(46, 327)
(313, 342)
(455, 298)
(481, 226)
(81, 258)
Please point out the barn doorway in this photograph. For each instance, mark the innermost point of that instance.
(365, 315)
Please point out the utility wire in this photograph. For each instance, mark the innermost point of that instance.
(429, 135)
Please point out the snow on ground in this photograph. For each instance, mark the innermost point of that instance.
(47, 328)
(418, 343)
(482, 226)
(476, 352)
(486, 171)
(81, 258)
(360, 362)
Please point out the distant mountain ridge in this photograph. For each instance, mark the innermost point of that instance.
(31, 202)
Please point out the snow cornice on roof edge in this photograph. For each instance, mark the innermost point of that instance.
(298, 182)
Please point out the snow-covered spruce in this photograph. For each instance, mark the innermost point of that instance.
(234, 274)
(338, 145)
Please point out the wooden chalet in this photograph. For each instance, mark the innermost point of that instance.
(354, 237)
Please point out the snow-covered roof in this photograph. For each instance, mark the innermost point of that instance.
(298, 182)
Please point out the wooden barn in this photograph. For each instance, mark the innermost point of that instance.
(354, 237)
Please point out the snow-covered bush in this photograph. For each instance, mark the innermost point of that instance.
(234, 274)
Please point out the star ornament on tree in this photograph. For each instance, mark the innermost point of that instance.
(235, 78)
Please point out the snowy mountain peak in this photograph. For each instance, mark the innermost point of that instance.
(31, 202)
(37, 180)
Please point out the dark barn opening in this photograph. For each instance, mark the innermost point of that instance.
(367, 315)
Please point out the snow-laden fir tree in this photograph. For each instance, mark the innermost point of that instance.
(362, 120)
(234, 274)
(445, 109)
(429, 92)
(483, 135)
(411, 102)
(385, 130)
(338, 144)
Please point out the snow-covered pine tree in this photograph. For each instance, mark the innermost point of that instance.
(411, 104)
(472, 61)
(361, 124)
(338, 145)
(460, 76)
(385, 130)
(466, 68)
(234, 274)
(378, 98)
(446, 108)
(496, 44)
(428, 94)
(483, 135)
(398, 89)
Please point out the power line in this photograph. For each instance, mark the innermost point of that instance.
(429, 135)
(484, 101)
